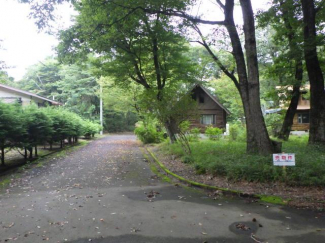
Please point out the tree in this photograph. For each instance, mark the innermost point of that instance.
(10, 127)
(120, 105)
(288, 67)
(38, 127)
(315, 74)
(95, 22)
(247, 83)
(73, 85)
(228, 95)
(42, 78)
(140, 47)
(78, 90)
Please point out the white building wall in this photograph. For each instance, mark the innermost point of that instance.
(9, 96)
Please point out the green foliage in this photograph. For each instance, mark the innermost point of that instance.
(233, 132)
(228, 159)
(90, 129)
(228, 95)
(37, 124)
(27, 127)
(237, 132)
(148, 133)
(194, 134)
(138, 48)
(11, 126)
(72, 85)
(213, 133)
(4, 77)
(119, 106)
(273, 123)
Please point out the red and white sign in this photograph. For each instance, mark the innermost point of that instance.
(284, 160)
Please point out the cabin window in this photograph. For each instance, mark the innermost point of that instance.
(303, 118)
(201, 99)
(208, 119)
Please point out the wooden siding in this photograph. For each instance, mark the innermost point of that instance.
(299, 126)
(209, 107)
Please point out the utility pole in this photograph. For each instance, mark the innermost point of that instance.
(101, 107)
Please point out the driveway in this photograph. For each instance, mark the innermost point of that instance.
(106, 192)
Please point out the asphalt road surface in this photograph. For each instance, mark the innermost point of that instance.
(106, 192)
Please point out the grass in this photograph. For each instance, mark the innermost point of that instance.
(228, 158)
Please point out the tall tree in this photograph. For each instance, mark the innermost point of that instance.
(247, 83)
(283, 16)
(315, 74)
(133, 46)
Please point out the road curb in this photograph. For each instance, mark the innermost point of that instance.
(265, 198)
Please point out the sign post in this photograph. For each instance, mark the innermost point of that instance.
(284, 160)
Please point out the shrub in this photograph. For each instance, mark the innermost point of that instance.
(273, 123)
(233, 132)
(148, 134)
(214, 133)
(194, 134)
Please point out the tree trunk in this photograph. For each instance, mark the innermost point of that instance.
(295, 51)
(61, 145)
(51, 145)
(290, 113)
(70, 140)
(30, 149)
(315, 75)
(2, 155)
(35, 152)
(292, 109)
(170, 128)
(258, 140)
(25, 155)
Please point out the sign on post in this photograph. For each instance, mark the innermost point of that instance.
(284, 160)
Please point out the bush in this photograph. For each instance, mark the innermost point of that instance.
(148, 134)
(273, 123)
(194, 134)
(27, 127)
(237, 132)
(214, 133)
(233, 132)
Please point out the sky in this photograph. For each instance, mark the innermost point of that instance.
(23, 45)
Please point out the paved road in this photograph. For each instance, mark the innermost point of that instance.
(105, 192)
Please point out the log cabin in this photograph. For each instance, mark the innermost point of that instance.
(301, 118)
(210, 111)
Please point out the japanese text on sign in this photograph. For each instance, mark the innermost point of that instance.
(284, 160)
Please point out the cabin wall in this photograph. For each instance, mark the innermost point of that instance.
(299, 126)
(208, 107)
(9, 96)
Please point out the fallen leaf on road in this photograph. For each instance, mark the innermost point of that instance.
(242, 227)
(9, 226)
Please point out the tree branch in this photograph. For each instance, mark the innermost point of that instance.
(172, 12)
(216, 58)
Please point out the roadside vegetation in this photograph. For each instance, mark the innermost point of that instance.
(227, 158)
(218, 155)
(25, 128)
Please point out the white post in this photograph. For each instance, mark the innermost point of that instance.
(101, 108)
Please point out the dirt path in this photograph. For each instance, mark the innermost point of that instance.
(106, 192)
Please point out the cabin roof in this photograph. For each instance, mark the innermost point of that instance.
(213, 97)
(29, 94)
